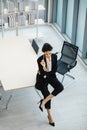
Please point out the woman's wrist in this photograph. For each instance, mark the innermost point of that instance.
(44, 68)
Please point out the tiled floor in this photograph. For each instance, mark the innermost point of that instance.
(69, 108)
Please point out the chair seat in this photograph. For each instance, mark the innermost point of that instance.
(62, 67)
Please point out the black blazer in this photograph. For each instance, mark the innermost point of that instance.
(54, 66)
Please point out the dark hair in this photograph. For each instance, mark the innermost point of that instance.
(47, 47)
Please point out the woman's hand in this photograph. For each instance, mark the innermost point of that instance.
(38, 72)
(43, 63)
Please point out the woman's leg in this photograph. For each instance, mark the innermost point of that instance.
(49, 116)
(45, 92)
(58, 87)
(49, 97)
(51, 122)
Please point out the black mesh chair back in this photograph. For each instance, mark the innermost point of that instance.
(69, 52)
(67, 60)
(35, 46)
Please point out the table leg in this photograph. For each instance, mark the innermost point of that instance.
(8, 101)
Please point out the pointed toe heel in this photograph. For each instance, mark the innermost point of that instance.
(52, 124)
(40, 105)
(41, 108)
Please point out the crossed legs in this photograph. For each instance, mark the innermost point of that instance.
(58, 87)
(47, 103)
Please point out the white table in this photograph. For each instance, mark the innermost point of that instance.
(18, 63)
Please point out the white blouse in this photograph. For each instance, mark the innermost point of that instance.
(49, 64)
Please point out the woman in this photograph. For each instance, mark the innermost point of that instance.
(47, 64)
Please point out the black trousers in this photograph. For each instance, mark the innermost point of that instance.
(55, 83)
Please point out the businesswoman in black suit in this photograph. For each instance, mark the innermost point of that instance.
(47, 64)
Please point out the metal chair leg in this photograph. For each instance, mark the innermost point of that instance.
(38, 93)
(63, 78)
(70, 76)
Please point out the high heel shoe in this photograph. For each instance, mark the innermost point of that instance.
(51, 123)
(40, 105)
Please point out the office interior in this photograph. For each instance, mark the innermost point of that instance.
(52, 21)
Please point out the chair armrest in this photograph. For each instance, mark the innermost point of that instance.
(57, 53)
(58, 56)
(71, 65)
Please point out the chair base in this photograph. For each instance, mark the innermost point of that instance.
(68, 76)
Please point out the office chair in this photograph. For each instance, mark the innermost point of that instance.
(67, 60)
(35, 46)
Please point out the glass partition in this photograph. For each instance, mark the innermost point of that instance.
(16, 16)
